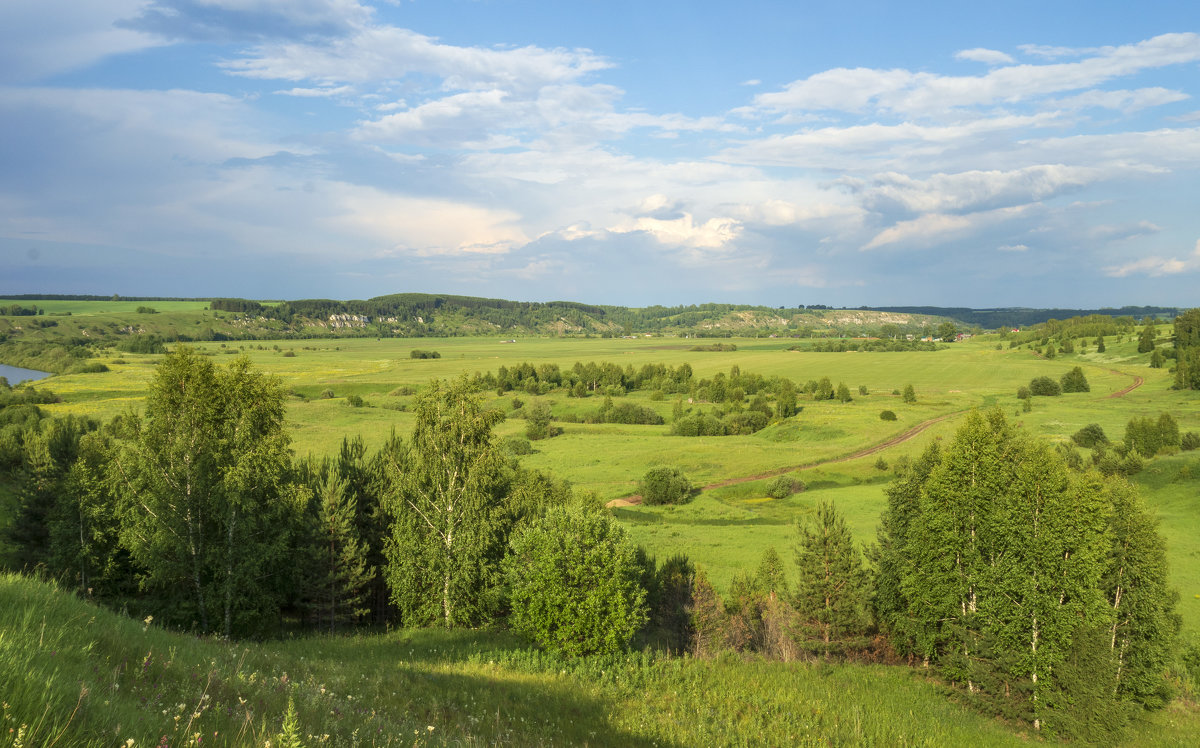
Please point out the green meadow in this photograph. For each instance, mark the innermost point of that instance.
(725, 528)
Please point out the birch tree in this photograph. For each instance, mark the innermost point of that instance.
(448, 532)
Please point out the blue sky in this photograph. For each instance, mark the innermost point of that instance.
(878, 153)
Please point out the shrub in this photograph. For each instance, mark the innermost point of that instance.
(748, 422)
(326, 394)
(665, 485)
(1044, 387)
(420, 354)
(516, 446)
(881, 464)
(573, 580)
(289, 354)
(143, 344)
(1075, 381)
(93, 368)
(1023, 393)
(862, 390)
(1090, 435)
(887, 415)
(630, 413)
(1190, 441)
(354, 401)
(403, 391)
(537, 421)
(781, 488)
(146, 310)
(700, 424)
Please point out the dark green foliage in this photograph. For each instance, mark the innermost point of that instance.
(831, 588)
(1024, 393)
(700, 424)
(995, 546)
(670, 602)
(1144, 623)
(1147, 436)
(628, 413)
(781, 488)
(706, 618)
(947, 332)
(94, 367)
(1090, 435)
(1146, 338)
(1100, 345)
(824, 390)
(887, 415)
(910, 394)
(843, 393)
(206, 508)
(1187, 369)
(1044, 387)
(1083, 706)
(1075, 381)
(537, 421)
(449, 531)
(143, 344)
(1156, 359)
(746, 422)
(665, 485)
(338, 586)
(573, 583)
(420, 354)
(1190, 441)
(516, 446)
(355, 401)
(326, 394)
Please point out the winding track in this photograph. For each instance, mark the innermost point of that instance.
(898, 439)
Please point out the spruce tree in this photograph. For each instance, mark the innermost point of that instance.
(339, 585)
(831, 588)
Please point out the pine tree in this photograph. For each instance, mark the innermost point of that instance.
(339, 587)
(831, 587)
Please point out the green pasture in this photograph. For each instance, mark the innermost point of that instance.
(725, 529)
(116, 306)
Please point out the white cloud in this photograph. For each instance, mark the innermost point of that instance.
(752, 82)
(388, 53)
(905, 92)
(1157, 266)
(714, 233)
(81, 32)
(1122, 100)
(986, 56)
(936, 228)
(1013, 248)
(971, 190)
(317, 93)
(422, 226)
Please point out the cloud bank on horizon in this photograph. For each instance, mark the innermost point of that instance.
(617, 154)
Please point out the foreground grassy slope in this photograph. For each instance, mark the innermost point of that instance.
(78, 675)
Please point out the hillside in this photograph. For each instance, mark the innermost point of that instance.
(77, 675)
(61, 334)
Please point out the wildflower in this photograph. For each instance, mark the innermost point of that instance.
(147, 621)
(430, 728)
(129, 743)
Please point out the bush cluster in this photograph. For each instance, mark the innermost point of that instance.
(665, 485)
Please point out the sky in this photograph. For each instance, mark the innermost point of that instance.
(1042, 154)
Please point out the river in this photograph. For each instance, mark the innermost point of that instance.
(15, 375)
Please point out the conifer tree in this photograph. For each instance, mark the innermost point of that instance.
(339, 586)
(831, 586)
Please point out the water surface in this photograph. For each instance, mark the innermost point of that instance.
(15, 374)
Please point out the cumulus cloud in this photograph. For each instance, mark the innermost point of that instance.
(1157, 266)
(987, 56)
(971, 190)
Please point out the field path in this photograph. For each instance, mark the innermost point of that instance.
(1137, 382)
(898, 439)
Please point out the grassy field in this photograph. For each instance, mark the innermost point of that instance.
(726, 528)
(78, 675)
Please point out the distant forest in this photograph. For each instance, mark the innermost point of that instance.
(1023, 317)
